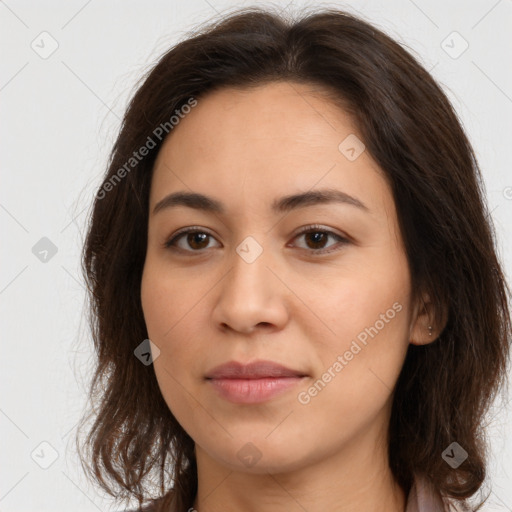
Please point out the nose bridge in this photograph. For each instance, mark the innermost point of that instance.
(249, 266)
(250, 293)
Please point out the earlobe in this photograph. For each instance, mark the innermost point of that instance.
(424, 329)
(424, 338)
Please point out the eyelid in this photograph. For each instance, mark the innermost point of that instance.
(318, 227)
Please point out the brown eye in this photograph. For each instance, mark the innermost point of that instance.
(194, 240)
(316, 239)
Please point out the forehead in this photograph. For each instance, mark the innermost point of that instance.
(253, 143)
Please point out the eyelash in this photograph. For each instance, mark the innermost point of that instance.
(171, 243)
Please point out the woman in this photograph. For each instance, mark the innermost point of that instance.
(296, 299)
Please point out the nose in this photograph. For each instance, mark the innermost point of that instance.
(251, 296)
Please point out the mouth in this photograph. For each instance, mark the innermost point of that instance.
(252, 383)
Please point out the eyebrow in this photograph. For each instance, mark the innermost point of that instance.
(284, 204)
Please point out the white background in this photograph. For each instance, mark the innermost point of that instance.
(59, 116)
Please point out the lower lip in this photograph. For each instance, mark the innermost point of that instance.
(253, 391)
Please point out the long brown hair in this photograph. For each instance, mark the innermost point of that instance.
(412, 132)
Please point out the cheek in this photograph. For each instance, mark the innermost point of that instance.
(169, 299)
(373, 291)
(168, 315)
(358, 366)
(367, 312)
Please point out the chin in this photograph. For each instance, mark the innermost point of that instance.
(259, 457)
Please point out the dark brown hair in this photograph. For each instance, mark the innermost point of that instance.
(411, 130)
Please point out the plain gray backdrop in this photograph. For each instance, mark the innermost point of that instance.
(67, 71)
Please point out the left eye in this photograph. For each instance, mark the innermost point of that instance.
(197, 240)
(317, 236)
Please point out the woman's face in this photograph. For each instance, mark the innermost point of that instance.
(257, 282)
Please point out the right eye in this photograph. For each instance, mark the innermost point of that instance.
(195, 239)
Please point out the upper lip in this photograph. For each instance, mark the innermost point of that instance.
(255, 370)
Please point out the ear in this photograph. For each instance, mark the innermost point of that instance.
(424, 327)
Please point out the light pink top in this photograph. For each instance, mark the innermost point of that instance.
(424, 498)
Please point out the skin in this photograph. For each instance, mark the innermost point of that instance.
(290, 305)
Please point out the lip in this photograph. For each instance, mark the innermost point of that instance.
(255, 382)
(255, 370)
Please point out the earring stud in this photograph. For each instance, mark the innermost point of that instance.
(430, 330)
